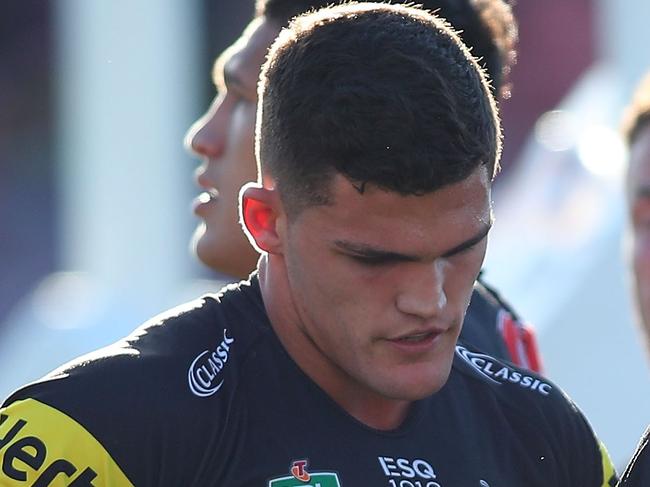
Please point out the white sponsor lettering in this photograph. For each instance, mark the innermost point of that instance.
(403, 467)
(205, 368)
(498, 373)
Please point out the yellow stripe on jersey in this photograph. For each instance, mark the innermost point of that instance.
(609, 473)
(40, 446)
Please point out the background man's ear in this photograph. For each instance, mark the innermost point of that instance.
(260, 210)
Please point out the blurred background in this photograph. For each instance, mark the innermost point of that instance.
(95, 187)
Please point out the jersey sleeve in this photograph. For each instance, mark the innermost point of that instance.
(41, 446)
(153, 409)
(563, 447)
(609, 472)
(584, 457)
(637, 473)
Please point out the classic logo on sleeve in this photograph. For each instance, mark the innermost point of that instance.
(498, 373)
(40, 447)
(203, 375)
(301, 477)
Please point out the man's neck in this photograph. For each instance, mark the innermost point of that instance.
(360, 402)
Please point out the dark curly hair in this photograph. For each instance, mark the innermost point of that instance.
(487, 27)
(382, 94)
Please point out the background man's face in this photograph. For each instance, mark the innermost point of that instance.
(380, 282)
(639, 206)
(224, 139)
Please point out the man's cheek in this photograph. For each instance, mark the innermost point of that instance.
(642, 281)
(641, 253)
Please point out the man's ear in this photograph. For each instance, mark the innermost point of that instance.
(260, 211)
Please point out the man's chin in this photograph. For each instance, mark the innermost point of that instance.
(414, 390)
(228, 256)
(203, 246)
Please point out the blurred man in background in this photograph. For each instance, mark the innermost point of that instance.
(637, 135)
(224, 138)
(636, 127)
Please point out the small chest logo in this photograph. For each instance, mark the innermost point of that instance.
(300, 477)
(203, 375)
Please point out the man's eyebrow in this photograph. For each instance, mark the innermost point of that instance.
(370, 252)
(470, 242)
(224, 75)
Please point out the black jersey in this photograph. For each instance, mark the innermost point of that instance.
(637, 473)
(492, 326)
(205, 395)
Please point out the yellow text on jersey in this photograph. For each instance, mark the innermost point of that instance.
(42, 447)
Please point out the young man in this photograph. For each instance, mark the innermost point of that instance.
(338, 364)
(223, 137)
(637, 135)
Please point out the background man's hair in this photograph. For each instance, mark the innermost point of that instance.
(382, 94)
(487, 27)
(637, 114)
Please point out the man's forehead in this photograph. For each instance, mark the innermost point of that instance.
(448, 216)
(244, 58)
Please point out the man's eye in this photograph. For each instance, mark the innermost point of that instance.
(371, 260)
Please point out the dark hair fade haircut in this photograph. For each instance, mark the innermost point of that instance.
(382, 94)
(487, 27)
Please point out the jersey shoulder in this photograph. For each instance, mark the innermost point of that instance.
(534, 407)
(637, 473)
(161, 392)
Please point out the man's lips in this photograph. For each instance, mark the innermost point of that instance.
(210, 193)
(205, 198)
(416, 342)
(416, 336)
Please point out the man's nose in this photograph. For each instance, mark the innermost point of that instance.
(423, 294)
(206, 136)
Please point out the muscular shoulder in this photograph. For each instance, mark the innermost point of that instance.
(533, 409)
(166, 386)
(155, 359)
